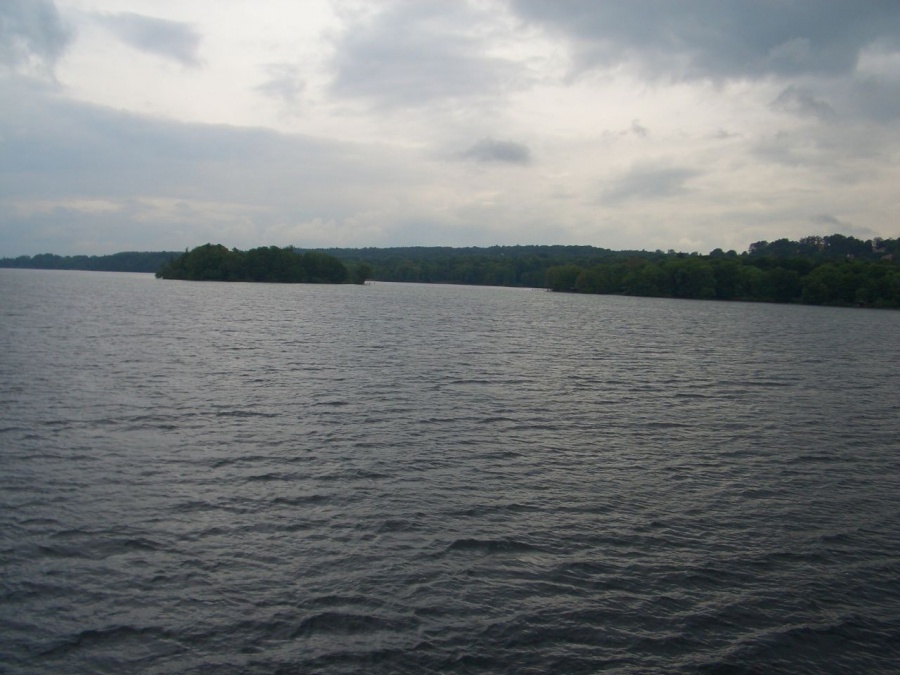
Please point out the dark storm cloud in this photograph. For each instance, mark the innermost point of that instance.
(170, 39)
(648, 183)
(505, 152)
(31, 34)
(720, 39)
(415, 53)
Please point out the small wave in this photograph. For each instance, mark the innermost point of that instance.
(400, 525)
(341, 623)
(357, 474)
(759, 383)
(494, 419)
(93, 550)
(244, 413)
(302, 500)
(803, 646)
(269, 477)
(106, 636)
(492, 546)
(820, 457)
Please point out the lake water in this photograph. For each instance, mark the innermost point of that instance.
(241, 478)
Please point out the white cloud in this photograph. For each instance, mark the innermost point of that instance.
(704, 123)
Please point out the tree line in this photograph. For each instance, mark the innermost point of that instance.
(215, 262)
(834, 270)
(480, 266)
(128, 261)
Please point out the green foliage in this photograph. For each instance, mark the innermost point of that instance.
(830, 270)
(563, 277)
(322, 268)
(490, 266)
(214, 262)
(833, 270)
(361, 272)
(128, 261)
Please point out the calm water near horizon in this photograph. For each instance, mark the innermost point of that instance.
(254, 478)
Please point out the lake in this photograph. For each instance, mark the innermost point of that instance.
(255, 478)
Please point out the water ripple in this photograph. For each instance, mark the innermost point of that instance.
(206, 478)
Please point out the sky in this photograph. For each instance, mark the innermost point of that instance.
(641, 124)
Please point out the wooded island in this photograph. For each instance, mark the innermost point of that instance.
(214, 262)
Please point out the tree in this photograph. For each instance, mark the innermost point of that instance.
(563, 277)
(361, 272)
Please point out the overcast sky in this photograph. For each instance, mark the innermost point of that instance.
(638, 124)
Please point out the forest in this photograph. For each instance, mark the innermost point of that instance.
(128, 261)
(214, 262)
(833, 270)
(820, 270)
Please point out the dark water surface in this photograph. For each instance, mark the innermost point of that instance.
(239, 478)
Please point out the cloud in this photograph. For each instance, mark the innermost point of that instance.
(875, 98)
(648, 183)
(639, 129)
(80, 149)
(801, 101)
(827, 219)
(174, 183)
(417, 53)
(849, 154)
(171, 40)
(488, 150)
(284, 83)
(826, 222)
(719, 39)
(621, 124)
(32, 35)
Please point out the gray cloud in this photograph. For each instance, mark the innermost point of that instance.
(720, 39)
(648, 183)
(826, 222)
(71, 170)
(415, 53)
(801, 101)
(100, 152)
(639, 129)
(826, 219)
(284, 82)
(32, 34)
(170, 39)
(849, 154)
(875, 99)
(506, 152)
